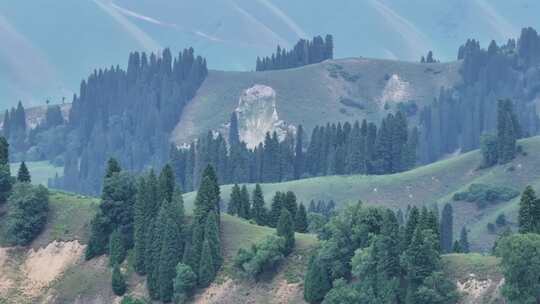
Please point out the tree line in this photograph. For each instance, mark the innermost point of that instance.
(359, 148)
(303, 53)
(124, 113)
(145, 214)
(460, 115)
(255, 209)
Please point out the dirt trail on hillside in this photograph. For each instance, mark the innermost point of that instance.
(44, 265)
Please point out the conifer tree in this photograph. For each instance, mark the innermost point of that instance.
(4, 150)
(410, 227)
(285, 229)
(166, 184)
(275, 211)
(245, 207)
(447, 228)
(207, 196)
(117, 251)
(456, 248)
(140, 225)
(300, 219)
(112, 167)
(207, 272)
(169, 252)
(258, 212)
(421, 259)
(299, 153)
(316, 282)
(234, 202)
(211, 234)
(464, 240)
(23, 176)
(118, 281)
(289, 202)
(5, 173)
(5, 183)
(528, 217)
(153, 251)
(234, 137)
(192, 254)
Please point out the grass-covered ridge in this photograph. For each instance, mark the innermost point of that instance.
(331, 91)
(434, 183)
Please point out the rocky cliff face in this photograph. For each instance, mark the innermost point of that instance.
(258, 114)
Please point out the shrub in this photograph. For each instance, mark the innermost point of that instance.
(184, 283)
(261, 257)
(483, 194)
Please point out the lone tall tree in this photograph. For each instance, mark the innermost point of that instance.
(23, 176)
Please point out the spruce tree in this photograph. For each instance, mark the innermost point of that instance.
(299, 153)
(4, 150)
(117, 251)
(234, 202)
(192, 253)
(211, 234)
(289, 202)
(112, 167)
(153, 251)
(23, 176)
(258, 212)
(447, 228)
(245, 205)
(316, 282)
(285, 229)
(421, 260)
(5, 183)
(528, 206)
(464, 240)
(206, 268)
(118, 281)
(5, 173)
(410, 227)
(169, 252)
(300, 219)
(166, 183)
(456, 248)
(275, 211)
(140, 226)
(207, 196)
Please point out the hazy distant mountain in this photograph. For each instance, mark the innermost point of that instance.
(45, 45)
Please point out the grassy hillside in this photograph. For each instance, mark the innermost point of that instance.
(54, 271)
(434, 183)
(332, 91)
